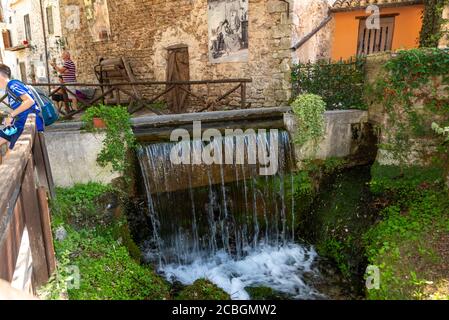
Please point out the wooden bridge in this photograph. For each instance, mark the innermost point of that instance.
(26, 185)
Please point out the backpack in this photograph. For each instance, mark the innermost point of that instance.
(48, 109)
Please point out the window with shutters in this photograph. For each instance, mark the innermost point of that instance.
(26, 20)
(376, 40)
(6, 34)
(50, 22)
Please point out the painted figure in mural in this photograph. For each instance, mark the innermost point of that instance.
(228, 29)
(232, 37)
(218, 43)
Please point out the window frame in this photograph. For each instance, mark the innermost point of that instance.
(27, 23)
(50, 20)
(361, 41)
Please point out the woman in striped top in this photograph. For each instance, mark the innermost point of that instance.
(68, 73)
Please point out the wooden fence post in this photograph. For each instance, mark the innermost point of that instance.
(33, 222)
(42, 163)
(243, 94)
(46, 229)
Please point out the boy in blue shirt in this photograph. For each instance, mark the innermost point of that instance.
(22, 104)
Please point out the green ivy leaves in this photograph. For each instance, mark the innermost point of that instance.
(119, 135)
(431, 31)
(309, 110)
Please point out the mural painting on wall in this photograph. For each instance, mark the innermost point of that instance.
(228, 31)
(97, 15)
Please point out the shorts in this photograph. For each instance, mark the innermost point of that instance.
(58, 98)
(12, 139)
(20, 127)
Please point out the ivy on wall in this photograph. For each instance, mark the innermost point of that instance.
(415, 93)
(309, 110)
(433, 21)
(119, 135)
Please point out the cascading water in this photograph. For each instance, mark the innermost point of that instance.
(225, 222)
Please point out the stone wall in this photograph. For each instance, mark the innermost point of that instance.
(444, 42)
(421, 150)
(308, 15)
(348, 135)
(142, 30)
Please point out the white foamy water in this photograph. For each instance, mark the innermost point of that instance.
(281, 269)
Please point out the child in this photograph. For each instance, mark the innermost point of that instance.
(22, 104)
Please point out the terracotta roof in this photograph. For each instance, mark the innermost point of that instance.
(347, 5)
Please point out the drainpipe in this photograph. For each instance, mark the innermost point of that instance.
(307, 37)
(45, 44)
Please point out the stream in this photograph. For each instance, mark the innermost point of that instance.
(227, 224)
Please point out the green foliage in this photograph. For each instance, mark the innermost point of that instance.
(79, 205)
(402, 244)
(109, 273)
(432, 30)
(309, 110)
(98, 246)
(414, 78)
(202, 290)
(341, 215)
(337, 250)
(396, 182)
(341, 84)
(119, 135)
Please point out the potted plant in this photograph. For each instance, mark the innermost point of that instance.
(98, 123)
(116, 122)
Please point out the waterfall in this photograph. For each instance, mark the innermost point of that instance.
(202, 216)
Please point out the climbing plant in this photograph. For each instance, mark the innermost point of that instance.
(309, 110)
(432, 29)
(415, 92)
(119, 135)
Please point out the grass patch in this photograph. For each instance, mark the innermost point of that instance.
(92, 238)
(410, 244)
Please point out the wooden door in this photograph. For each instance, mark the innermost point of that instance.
(376, 40)
(178, 69)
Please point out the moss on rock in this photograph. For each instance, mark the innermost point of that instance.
(202, 290)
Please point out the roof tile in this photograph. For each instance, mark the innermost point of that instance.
(341, 5)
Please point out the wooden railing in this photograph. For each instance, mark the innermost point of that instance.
(26, 184)
(144, 94)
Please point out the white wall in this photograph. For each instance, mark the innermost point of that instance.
(73, 158)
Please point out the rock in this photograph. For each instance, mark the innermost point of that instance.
(61, 234)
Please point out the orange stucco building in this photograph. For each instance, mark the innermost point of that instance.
(399, 28)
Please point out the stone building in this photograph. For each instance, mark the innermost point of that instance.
(22, 44)
(145, 31)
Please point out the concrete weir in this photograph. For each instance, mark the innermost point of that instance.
(73, 151)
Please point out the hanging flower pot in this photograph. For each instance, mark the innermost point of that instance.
(99, 123)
